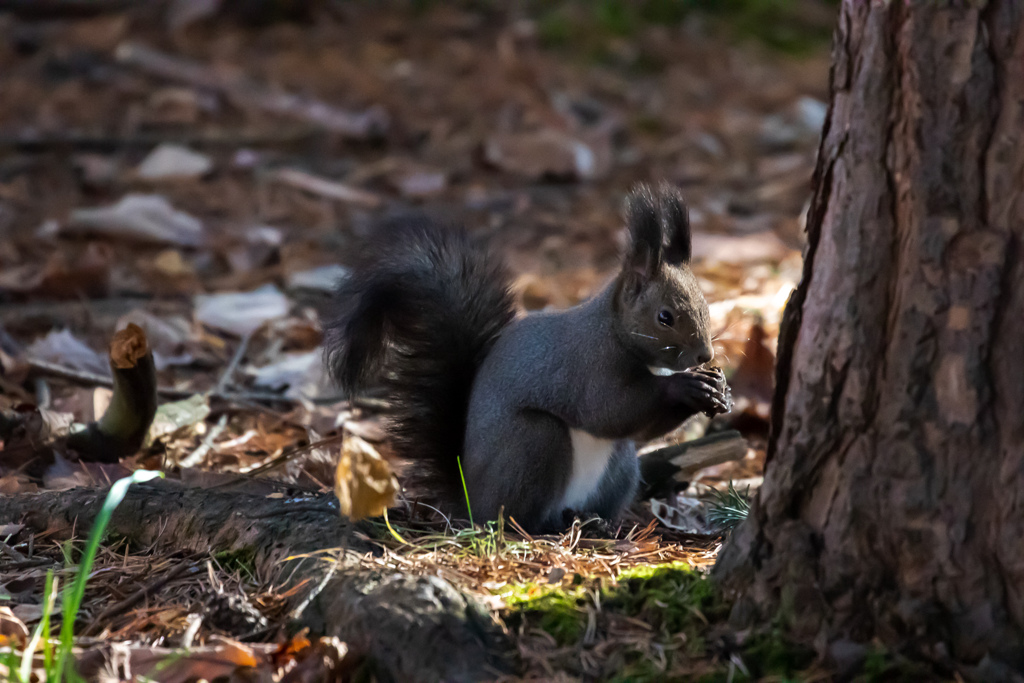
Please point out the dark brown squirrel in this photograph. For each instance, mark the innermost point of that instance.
(543, 410)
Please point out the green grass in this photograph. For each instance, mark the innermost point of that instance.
(586, 28)
(465, 491)
(57, 656)
(729, 508)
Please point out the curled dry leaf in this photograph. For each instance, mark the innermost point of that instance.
(364, 483)
(144, 218)
(65, 349)
(12, 629)
(688, 515)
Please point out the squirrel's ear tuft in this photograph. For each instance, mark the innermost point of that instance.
(677, 224)
(644, 254)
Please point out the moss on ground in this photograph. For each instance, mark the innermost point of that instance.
(678, 623)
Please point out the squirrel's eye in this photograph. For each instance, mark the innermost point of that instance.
(666, 318)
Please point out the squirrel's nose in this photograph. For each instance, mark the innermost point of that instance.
(705, 356)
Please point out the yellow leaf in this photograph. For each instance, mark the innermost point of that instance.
(364, 483)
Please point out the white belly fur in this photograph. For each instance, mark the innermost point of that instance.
(590, 456)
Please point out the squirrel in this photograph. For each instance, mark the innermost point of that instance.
(536, 415)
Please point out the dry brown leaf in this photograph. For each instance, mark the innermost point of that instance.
(12, 629)
(63, 276)
(364, 483)
(17, 483)
(220, 659)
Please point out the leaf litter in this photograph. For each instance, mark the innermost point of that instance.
(211, 188)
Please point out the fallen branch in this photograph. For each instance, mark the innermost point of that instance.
(667, 469)
(413, 628)
(121, 430)
(31, 141)
(246, 93)
(329, 189)
(93, 379)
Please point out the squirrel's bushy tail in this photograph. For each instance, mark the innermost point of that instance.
(419, 315)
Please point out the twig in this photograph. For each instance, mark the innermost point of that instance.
(13, 553)
(106, 615)
(93, 379)
(326, 188)
(287, 455)
(297, 612)
(26, 564)
(196, 456)
(229, 371)
(246, 93)
(101, 141)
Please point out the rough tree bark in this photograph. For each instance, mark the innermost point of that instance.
(893, 504)
(407, 625)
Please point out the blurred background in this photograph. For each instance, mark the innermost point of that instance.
(206, 168)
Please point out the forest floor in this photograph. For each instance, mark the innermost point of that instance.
(209, 179)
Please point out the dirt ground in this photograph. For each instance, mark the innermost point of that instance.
(160, 164)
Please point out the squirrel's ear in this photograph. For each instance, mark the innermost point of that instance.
(677, 225)
(644, 254)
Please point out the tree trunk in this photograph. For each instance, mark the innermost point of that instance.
(893, 504)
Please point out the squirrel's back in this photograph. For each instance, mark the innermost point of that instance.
(419, 314)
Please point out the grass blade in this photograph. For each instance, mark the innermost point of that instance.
(73, 601)
(42, 630)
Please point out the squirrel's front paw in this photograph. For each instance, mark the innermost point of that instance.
(704, 390)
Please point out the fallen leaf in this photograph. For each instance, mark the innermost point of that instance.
(241, 313)
(170, 417)
(63, 276)
(549, 153)
(173, 162)
(17, 483)
(323, 279)
(12, 628)
(286, 372)
(145, 218)
(364, 483)
(64, 474)
(220, 659)
(8, 530)
(27, 613)
(64, 349)
(688, 515)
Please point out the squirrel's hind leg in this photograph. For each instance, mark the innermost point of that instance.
(619, 483)
(616, 491)
(523, 466)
